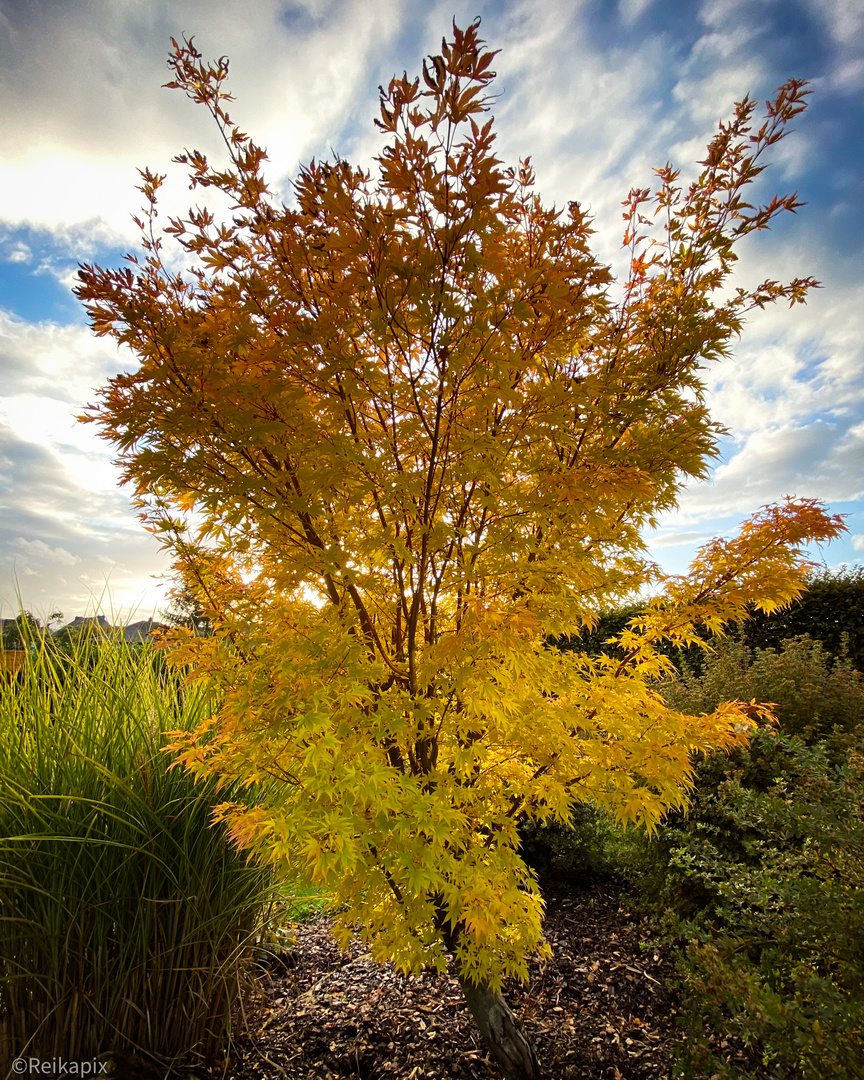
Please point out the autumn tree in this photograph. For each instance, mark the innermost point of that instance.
(420, 435)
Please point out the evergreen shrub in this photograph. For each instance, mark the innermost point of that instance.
(762, 881)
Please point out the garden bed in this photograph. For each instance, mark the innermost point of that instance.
(603, 1007)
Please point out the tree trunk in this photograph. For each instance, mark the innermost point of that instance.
(500, 1029)
(501, 1032)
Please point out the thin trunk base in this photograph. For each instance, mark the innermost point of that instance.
(501, 1032)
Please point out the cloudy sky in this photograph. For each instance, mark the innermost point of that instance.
(596, 91)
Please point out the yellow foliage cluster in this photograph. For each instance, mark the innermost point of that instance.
(418, 438)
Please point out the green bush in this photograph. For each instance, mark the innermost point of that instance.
(814, 694)
(831, 611)
(127, 923)
(762, 881)
(767, 888)
(574, 851)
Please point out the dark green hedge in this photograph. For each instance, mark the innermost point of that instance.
(831, 611)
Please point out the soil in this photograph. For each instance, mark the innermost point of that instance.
(604, 1006)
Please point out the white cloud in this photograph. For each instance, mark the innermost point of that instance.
(84, 107)
(632, 9)
(672, 539)
(18, 252)
(47, 361)
(845, 19)
(848, 76)
(60, 504)
(65, 276)
(35, 549)
(816, 460)
(720, 68)
(792, 392)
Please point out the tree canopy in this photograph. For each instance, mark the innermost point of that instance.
(420, 435)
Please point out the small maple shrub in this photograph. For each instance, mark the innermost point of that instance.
(421, 438)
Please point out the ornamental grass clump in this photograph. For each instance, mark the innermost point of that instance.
(127, 922)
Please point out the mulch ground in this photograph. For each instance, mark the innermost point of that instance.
(603, 1007)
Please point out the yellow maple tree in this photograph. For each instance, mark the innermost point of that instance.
(420, 438)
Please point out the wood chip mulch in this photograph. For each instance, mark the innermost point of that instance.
(602, 1007)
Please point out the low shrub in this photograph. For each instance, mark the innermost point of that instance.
(575, 851)
(815, 695)
(127, 922)
(761, 883)
(768, 888)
